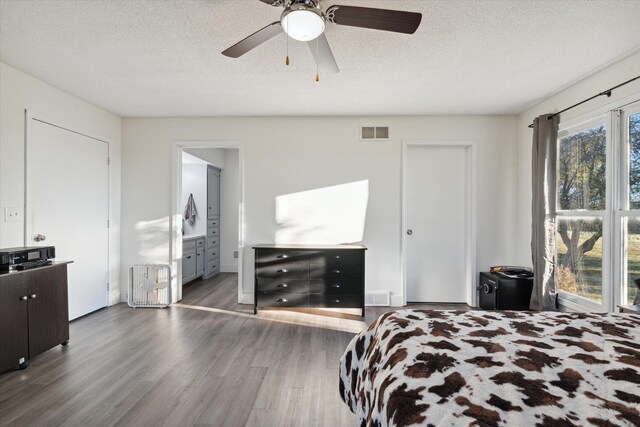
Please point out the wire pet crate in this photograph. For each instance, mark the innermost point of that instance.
(149, 285)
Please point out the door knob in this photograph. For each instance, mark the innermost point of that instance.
(409, 231)
(39, 238)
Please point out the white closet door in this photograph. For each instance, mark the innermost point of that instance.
(436, 217)
(67, 201)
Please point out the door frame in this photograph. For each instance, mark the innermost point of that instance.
(470, 243)
(30, 116)
(175, 224)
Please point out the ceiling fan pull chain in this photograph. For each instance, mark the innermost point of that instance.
(317, 61)
(287, 37)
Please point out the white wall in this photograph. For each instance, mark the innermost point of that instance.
(287, 155)
(229, 203)
(20, 91)
(605, 79)
(194, 181)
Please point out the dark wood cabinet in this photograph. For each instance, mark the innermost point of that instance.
(34, 313)
(309, 276)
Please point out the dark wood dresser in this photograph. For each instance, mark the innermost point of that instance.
(309, 276)
(34, 313)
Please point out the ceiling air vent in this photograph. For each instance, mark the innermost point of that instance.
(374, 133)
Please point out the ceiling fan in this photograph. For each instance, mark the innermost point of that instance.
(303, 20)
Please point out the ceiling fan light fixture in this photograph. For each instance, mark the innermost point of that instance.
(302, 24)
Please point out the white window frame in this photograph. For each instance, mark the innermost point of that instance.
(614, 266)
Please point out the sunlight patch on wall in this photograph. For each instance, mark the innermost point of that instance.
(328, 215)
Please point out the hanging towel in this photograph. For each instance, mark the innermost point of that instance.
(190, 210)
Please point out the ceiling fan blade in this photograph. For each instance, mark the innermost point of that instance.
(327, 63)
(254, 40)
(377, 19)
(276, 3)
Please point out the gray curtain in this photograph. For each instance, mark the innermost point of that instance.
(543, 206)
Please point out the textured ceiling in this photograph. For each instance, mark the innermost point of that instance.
(162, 58)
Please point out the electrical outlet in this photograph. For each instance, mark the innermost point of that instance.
(12, 214)
(235, 254)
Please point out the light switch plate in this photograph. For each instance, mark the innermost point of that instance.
(12, 214)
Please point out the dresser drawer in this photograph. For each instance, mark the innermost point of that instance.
(269, 256)
(213, 232)
(335, 272)
(283, 285)
(326, 286)
(335, 257)
(200, 243)
(335, 300)
(213, 223)
(268, 299)
(294, 270)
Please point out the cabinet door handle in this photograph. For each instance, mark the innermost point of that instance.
(282, 270)
(335, 285)
(32, 296)
(189, 257)
(337, 257)
(282, 256)
(335, 300)
(282, 285)
(335, 270)
(23, 298)
(281, 300)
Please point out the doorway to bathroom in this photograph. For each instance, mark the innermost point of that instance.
(206, 227)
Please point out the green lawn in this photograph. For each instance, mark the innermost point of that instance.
(590, 275)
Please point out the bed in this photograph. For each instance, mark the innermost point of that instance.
(423, 367)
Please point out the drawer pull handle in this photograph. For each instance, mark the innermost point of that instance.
(281, 300)
(282, 256)
(32, 296)
(335, 300)
(337, 257)
(189, 257)
(335, 270)
(282, 270)
(335, 285)
(282, 285)
(23, 298)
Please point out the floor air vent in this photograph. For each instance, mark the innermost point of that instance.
(381, 298)
(374, 133)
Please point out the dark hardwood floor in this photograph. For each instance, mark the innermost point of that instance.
(204, 361)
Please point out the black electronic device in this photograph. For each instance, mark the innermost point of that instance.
(502, 293)
(23, 258)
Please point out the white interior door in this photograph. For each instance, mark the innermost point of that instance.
(67, 202)
(436, 180)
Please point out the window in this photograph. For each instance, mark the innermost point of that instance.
(598, 210)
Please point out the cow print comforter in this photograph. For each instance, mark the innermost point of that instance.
(420, 367)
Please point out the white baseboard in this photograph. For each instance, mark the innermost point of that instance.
(228, 268)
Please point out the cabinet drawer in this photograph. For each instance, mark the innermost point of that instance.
(339, 286)
(268, 299)
(341, 257)
(200, 243)
(213, 266)
(283, 285)
(335, 272)
(213, 241)
(335, 300)
(189, 245)
(213, 223)
(294, 270)
(213, 232)
(213, 254)
(268, 256)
